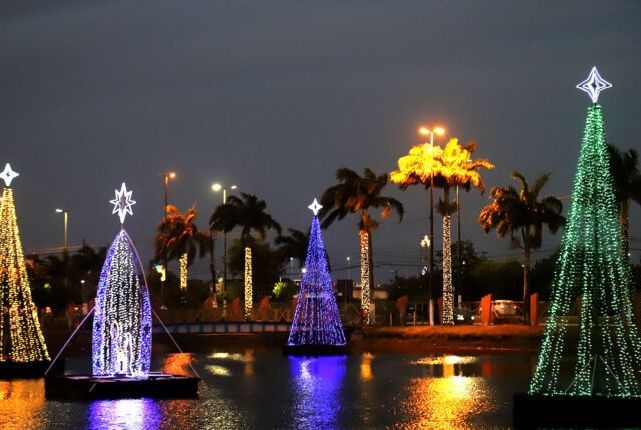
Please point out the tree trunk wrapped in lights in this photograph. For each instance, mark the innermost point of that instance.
(316, 319)
(448, 291)
(249, 303)
(122, 317)
(183, 272)
(21, 339)
(591, 266)
(366, 305)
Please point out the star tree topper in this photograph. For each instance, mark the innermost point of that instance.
(594, 84)
(7, 175)
(315, 207)
(122, 203)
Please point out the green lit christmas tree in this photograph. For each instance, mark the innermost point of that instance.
(593, 275)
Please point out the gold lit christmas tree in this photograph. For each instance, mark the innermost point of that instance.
(21, 339)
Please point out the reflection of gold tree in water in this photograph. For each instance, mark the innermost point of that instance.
(177, 364)
(448, 402)
(20, 404)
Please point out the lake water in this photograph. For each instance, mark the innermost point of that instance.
(261, 389)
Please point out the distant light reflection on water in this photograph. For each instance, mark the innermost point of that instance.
(256, 389)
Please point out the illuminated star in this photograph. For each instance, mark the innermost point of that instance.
(594, 84)
(122, 203)
(315, 207)
(8, 175)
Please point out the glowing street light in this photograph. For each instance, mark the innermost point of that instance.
(217, 187)
(166, 177)
(66, 221)
(424, 131)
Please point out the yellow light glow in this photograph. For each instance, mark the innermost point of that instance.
(365, 278)
(183, 272)
(439, 130)
(424, 131)
(248, 283)
(216, 187)
(172, 175)
(25, 342)
(366, 366)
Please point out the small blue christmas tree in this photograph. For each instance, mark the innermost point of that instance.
(316, 320)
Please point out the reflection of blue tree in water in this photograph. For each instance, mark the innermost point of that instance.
(317, 383)
(130, 414)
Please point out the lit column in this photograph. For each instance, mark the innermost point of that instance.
(248, 283)
(365, 278)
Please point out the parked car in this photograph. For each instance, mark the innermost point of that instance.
(506, 308)
(463, 316)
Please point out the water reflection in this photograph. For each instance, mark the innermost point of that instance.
(21, 403)
(452, 398)
(177, 364)
(126, 414)
(317, 383)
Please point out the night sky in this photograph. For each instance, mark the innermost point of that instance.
(275, 96)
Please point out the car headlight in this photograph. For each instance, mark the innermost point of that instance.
(472, 317)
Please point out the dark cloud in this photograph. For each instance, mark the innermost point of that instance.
(275, 96)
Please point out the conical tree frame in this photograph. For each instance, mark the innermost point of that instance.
(316, 319)
(21, 338)
(593, 276)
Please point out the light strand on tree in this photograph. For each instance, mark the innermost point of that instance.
(593, 272)
(366, 305)
(448, 292)
(316, 319)
(183, 272)
(21, 340)
(249, 302)
(121, 340)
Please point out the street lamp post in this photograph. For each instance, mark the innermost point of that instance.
(216, 188)
(166, 177)
(424, 131)
(66, 222)
(349, 276)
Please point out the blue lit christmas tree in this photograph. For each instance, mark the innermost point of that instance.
(121, 343)
(593, 273)
(316, 322)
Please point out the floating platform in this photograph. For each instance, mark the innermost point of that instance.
(535, 411)
(315, 350)
(157, 386)
(32, 369)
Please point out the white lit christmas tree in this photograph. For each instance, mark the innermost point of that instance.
(21, 339)
(121, 343)
(317, 321)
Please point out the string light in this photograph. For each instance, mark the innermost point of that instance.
(249, 304)
(366, 305)
(121, 338)
(21, 340)
(592, 269)
(448, 290)
(183, 272)
(316, 319)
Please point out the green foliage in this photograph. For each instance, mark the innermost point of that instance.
(503, 279)
(284, 290)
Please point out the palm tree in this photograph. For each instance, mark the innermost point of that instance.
(294, 245)
(179, 239)
(247, 212)
(446, 167)
(359, 194)
(522, 215)
(627, 185)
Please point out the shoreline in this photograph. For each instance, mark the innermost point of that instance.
(475, 340)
